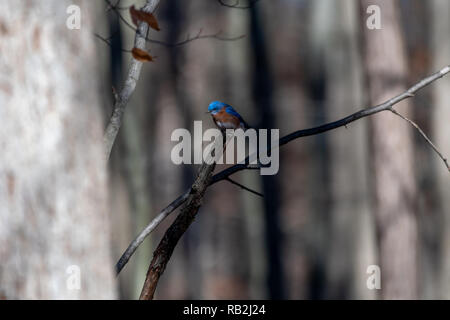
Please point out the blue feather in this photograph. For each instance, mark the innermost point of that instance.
(216, 106)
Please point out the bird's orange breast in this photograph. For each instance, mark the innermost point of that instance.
(226, 118)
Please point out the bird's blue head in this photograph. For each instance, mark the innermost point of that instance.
(216, 106)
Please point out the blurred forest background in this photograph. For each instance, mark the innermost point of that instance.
(301, 64)
(373, 193)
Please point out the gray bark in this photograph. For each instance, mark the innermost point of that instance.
(53, 181)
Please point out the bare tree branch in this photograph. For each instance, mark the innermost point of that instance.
(159, 218)
(198, 36)
(225, 174)
(108, 41)
(134, 71)
(244, 187)
(130, 83)
(386, 106)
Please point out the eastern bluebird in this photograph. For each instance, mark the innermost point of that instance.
(225, 117)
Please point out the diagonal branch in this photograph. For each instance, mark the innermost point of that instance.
(423, 134)
(224, 174)
(149, 228)
(244, 187)
(193, 202)
(165, 248)
(130, 83)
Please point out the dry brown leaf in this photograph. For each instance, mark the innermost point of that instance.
(139, 15)
(134, 15)
(141, 55)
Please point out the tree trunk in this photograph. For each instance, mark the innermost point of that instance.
(349, 250)
(441, 135)
(263, 97)
(53, 181)
(394, 183)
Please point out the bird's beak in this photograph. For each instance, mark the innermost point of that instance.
(208, 112)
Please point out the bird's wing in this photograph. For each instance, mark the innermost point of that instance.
(230, 110)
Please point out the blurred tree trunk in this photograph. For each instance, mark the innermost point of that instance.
(392, 151)
(317, 230)
(416, 17)
(175, 13)
(441, 134)
(350, 241)
(53, 182)
(288, 71)
(238, 79)
(170, 109)
(263, 96)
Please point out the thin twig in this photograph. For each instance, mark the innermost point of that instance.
(416, 126)
(224, 174)
(108, 42)
(244, 187)
(216, 36)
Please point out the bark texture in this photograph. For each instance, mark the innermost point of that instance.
(53, 182)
